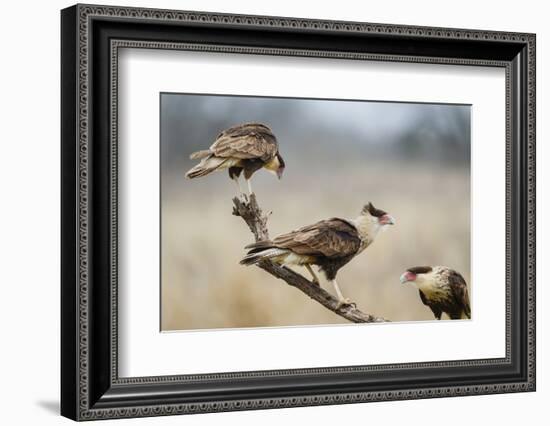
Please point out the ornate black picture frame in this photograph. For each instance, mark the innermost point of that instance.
(91, 387)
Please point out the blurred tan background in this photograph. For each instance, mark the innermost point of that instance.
(412, 160)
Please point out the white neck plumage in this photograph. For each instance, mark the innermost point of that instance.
(367, 227)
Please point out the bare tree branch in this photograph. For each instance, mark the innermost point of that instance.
(257, 222)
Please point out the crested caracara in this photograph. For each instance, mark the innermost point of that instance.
(246, 147)
(442, 289)
(329, 244)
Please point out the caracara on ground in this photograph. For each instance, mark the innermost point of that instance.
(329, 244)
(246, 147)
(442, 289)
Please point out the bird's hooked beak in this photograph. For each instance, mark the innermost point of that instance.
(387, 220)
(407, 276)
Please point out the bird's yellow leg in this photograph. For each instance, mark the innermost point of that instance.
(310, 269)
(248, 181)
(342, 301)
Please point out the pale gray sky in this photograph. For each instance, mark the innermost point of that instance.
(405, 131)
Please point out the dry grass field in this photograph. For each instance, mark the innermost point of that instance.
(203, 285)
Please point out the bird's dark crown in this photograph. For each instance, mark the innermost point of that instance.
(373, 210)
(420, 269)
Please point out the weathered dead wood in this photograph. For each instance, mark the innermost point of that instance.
(256, 220)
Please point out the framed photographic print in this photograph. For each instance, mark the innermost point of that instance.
(263, 212)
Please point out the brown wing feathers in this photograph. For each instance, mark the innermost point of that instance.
(248, 141)
(460, 291)
(330, 238)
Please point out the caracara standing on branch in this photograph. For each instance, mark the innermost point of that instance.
(442, 289)
(246, 147)
(330, 244)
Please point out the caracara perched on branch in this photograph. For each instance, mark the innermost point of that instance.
(330, 244)
(247, 147)
(442, 289)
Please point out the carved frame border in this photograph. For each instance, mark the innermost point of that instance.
(85, 14)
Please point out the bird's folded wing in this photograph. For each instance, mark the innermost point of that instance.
(330, 238)
(246, 142)
(460, 290)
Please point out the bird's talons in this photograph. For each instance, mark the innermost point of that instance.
(315, 281)
(344, 303)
